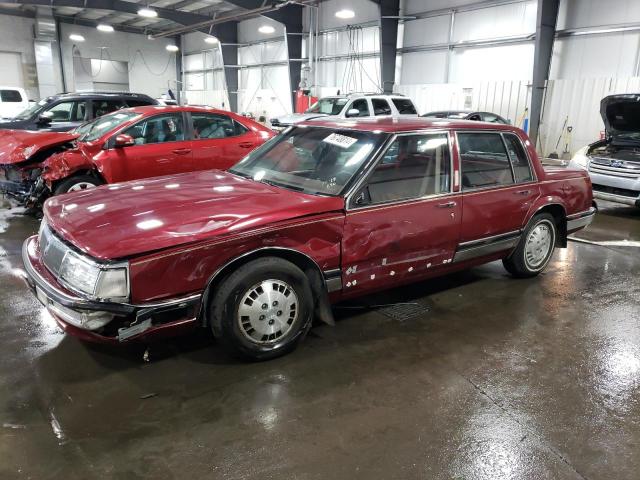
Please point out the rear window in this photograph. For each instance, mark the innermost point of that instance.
(404, 106)
(10, 96)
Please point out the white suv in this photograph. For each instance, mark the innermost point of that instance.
(13, 100)
(351, 106)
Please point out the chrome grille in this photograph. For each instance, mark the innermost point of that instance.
(614, 168)
(52, 250)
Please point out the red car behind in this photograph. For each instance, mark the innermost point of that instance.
(145, 142)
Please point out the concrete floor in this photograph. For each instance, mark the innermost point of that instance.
(496, 378)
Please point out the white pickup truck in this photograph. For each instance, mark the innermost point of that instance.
(13, 100)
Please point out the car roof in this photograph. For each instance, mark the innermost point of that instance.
(405, 124)
(177, 108)
(100, 95)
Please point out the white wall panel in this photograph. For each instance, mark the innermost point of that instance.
(589, 13)
(350, 75)
(18, 39)
(508, 62)
(614, 54)
(419, 6)
(500, 21)
(427, 31)
(248, 30)
(265, 91)
(423, 67)
(342, 42)
(365, 10)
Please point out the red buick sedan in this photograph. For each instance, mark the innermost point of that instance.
(148, 142)
(323, 212)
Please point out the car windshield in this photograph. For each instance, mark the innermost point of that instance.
(95, 129)
(27, 113)
(329, 106)
(310, 160)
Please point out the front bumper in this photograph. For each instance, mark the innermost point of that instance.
(13, 187)
(615, 188)
(118, 322)
(612, 197)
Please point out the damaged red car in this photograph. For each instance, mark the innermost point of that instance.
(129, 144)
(323, 212)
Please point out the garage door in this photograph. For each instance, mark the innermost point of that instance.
(12, 69)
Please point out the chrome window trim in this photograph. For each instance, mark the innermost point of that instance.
(501, 133)
(368, 169)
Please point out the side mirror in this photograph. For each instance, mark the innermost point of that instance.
(45, 118)
(123, 140)
(353, 112)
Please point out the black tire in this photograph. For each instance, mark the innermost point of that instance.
(65, 185)
(231, 329)
(518, 264)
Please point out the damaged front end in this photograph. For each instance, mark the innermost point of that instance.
(17, 181)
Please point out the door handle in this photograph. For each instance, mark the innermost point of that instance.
(446, 205)
(245, 145)
(522, 192)
(181, 151)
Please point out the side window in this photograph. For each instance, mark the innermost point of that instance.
(240, 129)
(102, 107)
(484, 160)
(68, 112)
(490, 117)
(415, 166)
(519, 159)
(210, 126)
(380, 106)
(10, 96)
(159, 129)
(404, 106)
(361, 106)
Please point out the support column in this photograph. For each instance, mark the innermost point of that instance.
(389, 13)
(545, 35)
(179, 79)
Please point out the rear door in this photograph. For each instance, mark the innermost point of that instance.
(162, 147)
(219, 141)
(102, 107)
(497, 183)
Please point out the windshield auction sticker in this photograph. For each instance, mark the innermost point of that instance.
(341, 141)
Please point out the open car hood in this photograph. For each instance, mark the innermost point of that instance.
(621, 117)
(132, 218)
(19, 145)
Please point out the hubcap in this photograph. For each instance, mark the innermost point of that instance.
(80, 186)
(267, 311)
(539, 244)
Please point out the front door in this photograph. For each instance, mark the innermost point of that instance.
(497, 182)
(404, 221)
(161, 148)
(66, 115)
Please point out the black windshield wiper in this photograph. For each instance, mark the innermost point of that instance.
(283, 185)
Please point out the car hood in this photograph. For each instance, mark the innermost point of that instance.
(294, 118)
(130, 219)
(20, 145)
(621, 117)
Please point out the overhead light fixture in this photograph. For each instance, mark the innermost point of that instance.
(147, 12)
(105, 28)
(76, 37)
(211, 40)
(345, 14)
(172, 48)
(266, 29)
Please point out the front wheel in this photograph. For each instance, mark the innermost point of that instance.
(76, 183)
(535, 249)
(262, 310)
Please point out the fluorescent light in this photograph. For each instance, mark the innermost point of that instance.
(147, 12)
(172, 48)
(266, 29)
(76, 38)
(105, 28)
(211, 40)
(344, 14)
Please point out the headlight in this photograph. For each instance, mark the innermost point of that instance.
(100, 282)
(580, 159)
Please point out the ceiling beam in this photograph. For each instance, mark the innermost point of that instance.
(182, 18)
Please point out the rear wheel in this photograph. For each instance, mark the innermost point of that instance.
(262, 310)
(76, 183)
(535, 249)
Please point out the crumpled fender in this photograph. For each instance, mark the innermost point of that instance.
(63, 165)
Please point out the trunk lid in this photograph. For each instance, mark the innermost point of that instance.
(129, 219)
